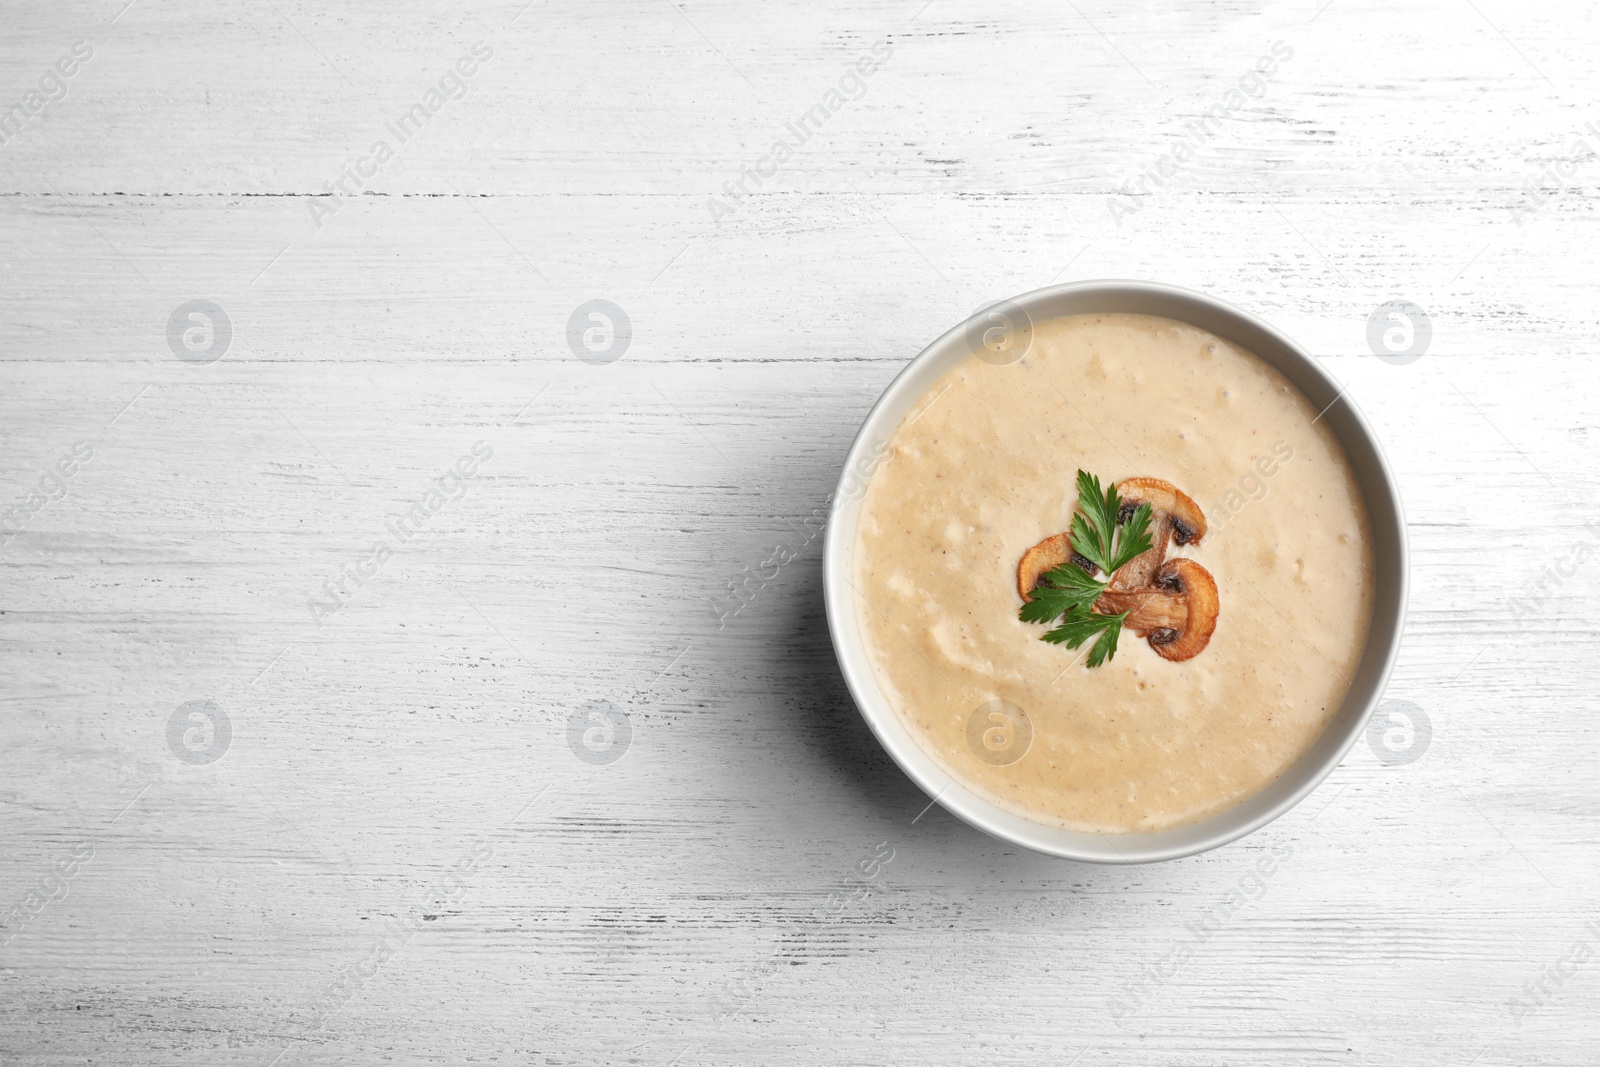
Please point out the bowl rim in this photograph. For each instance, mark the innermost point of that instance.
(1294, 783)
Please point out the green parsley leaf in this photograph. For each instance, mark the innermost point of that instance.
(1133, 538)
(1071, 576)
(1086, 541)
(1048, 604)
(1092, 527)
(1081, 625)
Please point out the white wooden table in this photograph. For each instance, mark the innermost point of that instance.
(270, 794)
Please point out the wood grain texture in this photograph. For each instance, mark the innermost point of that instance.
(400, 770)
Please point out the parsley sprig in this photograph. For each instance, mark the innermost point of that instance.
(1069, 592)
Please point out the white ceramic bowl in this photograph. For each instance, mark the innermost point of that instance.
(1389, 557)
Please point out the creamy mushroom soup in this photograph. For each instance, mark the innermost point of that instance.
(984, 469)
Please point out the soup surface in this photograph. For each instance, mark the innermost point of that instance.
(985, 466)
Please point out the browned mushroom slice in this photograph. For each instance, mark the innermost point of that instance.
(1043, 558)
(1177, 615)
(1148, 610)
(1040, 560)
(1173, 517)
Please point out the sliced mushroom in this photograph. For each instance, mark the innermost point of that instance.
(1177, 615)
(1043, 558)
(1173, 517)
